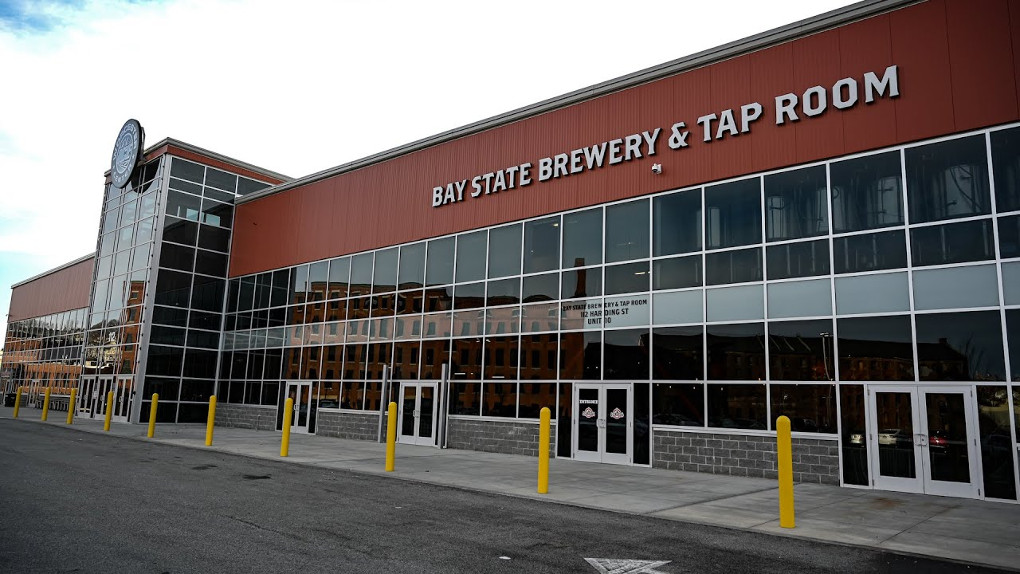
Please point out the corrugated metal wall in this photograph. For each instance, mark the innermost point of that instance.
(63, 290)
(956, 72)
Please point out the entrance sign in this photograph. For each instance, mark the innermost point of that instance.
(785, 109)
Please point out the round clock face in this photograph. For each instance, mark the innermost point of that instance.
(126, 152)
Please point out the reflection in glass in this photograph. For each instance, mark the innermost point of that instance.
(538, 356)
(501, 357)
(1009, 236)
(465, 398)
(412, 266)
(947, 437)
(1013, 336)
(996, 442)
(678, 404)
(471, 248)
(500, 399)
(626, 278)
(736, 352)
(803, 259)
(869, 252)
(439, 262)
(810, 408)
(581, 355)
(505, 251)
(960, 347)
(627, 231)
(626, 354)
(541, 288)
(589, 409)
(582, 283)
(795, 204)
(875, 349)
(582, 238)
(532, 397)
(866, 192)
(738, 266)
(678, 353)
(361, 274)
(466, 359)
(853, 439)
(676, 272)
(677, 222)
(1006, 165)
(737, 406)
(948, 179)
(801, 351)
(384, 276)
(895, 422)
(952, 243)
(542, 245)
(733, 214)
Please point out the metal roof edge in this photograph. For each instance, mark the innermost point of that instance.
(54, 270)
(806, 27)
(168, 141)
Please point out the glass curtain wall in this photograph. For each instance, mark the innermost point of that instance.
(44, 352)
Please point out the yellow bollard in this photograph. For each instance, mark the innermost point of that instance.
(212, 419)
(71, 406)
(17, 402)
(784, 456)
(391, 436)
(288, 415)
(109, 410)
(152, 415)
(46, 405)
(543, 451)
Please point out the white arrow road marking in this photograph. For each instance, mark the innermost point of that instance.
(617, 566)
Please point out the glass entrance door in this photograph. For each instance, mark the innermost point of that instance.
(121, 399)
(301, 421)
(86, 390)
(97, 401)
(923, 439)
(416, 419)
(603, 426)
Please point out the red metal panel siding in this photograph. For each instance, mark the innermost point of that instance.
(868, 48)
(63, 290)
(1014, 25)
(981, 60)
(390, 202)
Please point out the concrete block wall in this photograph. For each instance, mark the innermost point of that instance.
(814, 460)
(504, 437)
(357, 426)
(246, 416)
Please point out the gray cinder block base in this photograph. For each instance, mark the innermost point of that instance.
(246, 416)
(356, 426)
(814, 460)
(504, 437)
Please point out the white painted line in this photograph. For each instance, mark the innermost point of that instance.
(618, 566)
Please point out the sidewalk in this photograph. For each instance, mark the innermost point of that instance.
(965, 530)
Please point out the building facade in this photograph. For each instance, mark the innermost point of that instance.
(821, 222)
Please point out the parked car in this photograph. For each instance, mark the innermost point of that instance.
(895, 437)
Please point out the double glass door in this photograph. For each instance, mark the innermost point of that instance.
(303, 416)
(603, 422)
(93, 396)
(924, 439)
(416, 418)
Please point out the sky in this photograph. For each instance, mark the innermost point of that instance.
(295, 87)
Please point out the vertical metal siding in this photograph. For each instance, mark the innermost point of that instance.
(60, 291)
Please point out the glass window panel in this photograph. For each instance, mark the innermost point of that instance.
(679, 354)
(1009, 236)
(246, 186)
(140, 257)
(952, 243)
(467, 323)
(887, 292)
(502, 320)
(209, 263)
(544, 287)
(972, 286)
(471, 249)
(317, 277)
(183, 205)
(960, 347)
(361, 274)
(298, 284)
(538, 356)
(1006, 165)
(434, 354)
(795, 204)
(996, 442)
(627, 231)
(218, 214)
(736, 352)
(385, 274)
(810, 408)
(540, 317)
(737, 406)
(466, 359)
(437, 325)
(676, 272)
(167, 336)
(470, 296)
(504, 291)
(207, 294)
(804, 259)
(801, 351)
(867, 192)
(680, 307)
(948, 179)
(500, 400)
(215, 238)
(187, 170)
(501, 357)
(221, 179)
(678, 404)
(581, 355)
(181, 185)
(143, 231)
(733, 214)
(405, 360)
(542, 245)
(629, 311)
(339, 277)
(740, 266)
(410, 302)
(582, 283)
(411, 273)
(625, 354)
(505, 251)
(800, 299)
(736, 303)
(677, 222)
(582, 238)
(180, 231)
(875, 349)
(627, 278)
(439, 262)
(1013, 336)
(173, 288)
(854, 445)
(869, 252)
(535, 396)
(465, 398)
